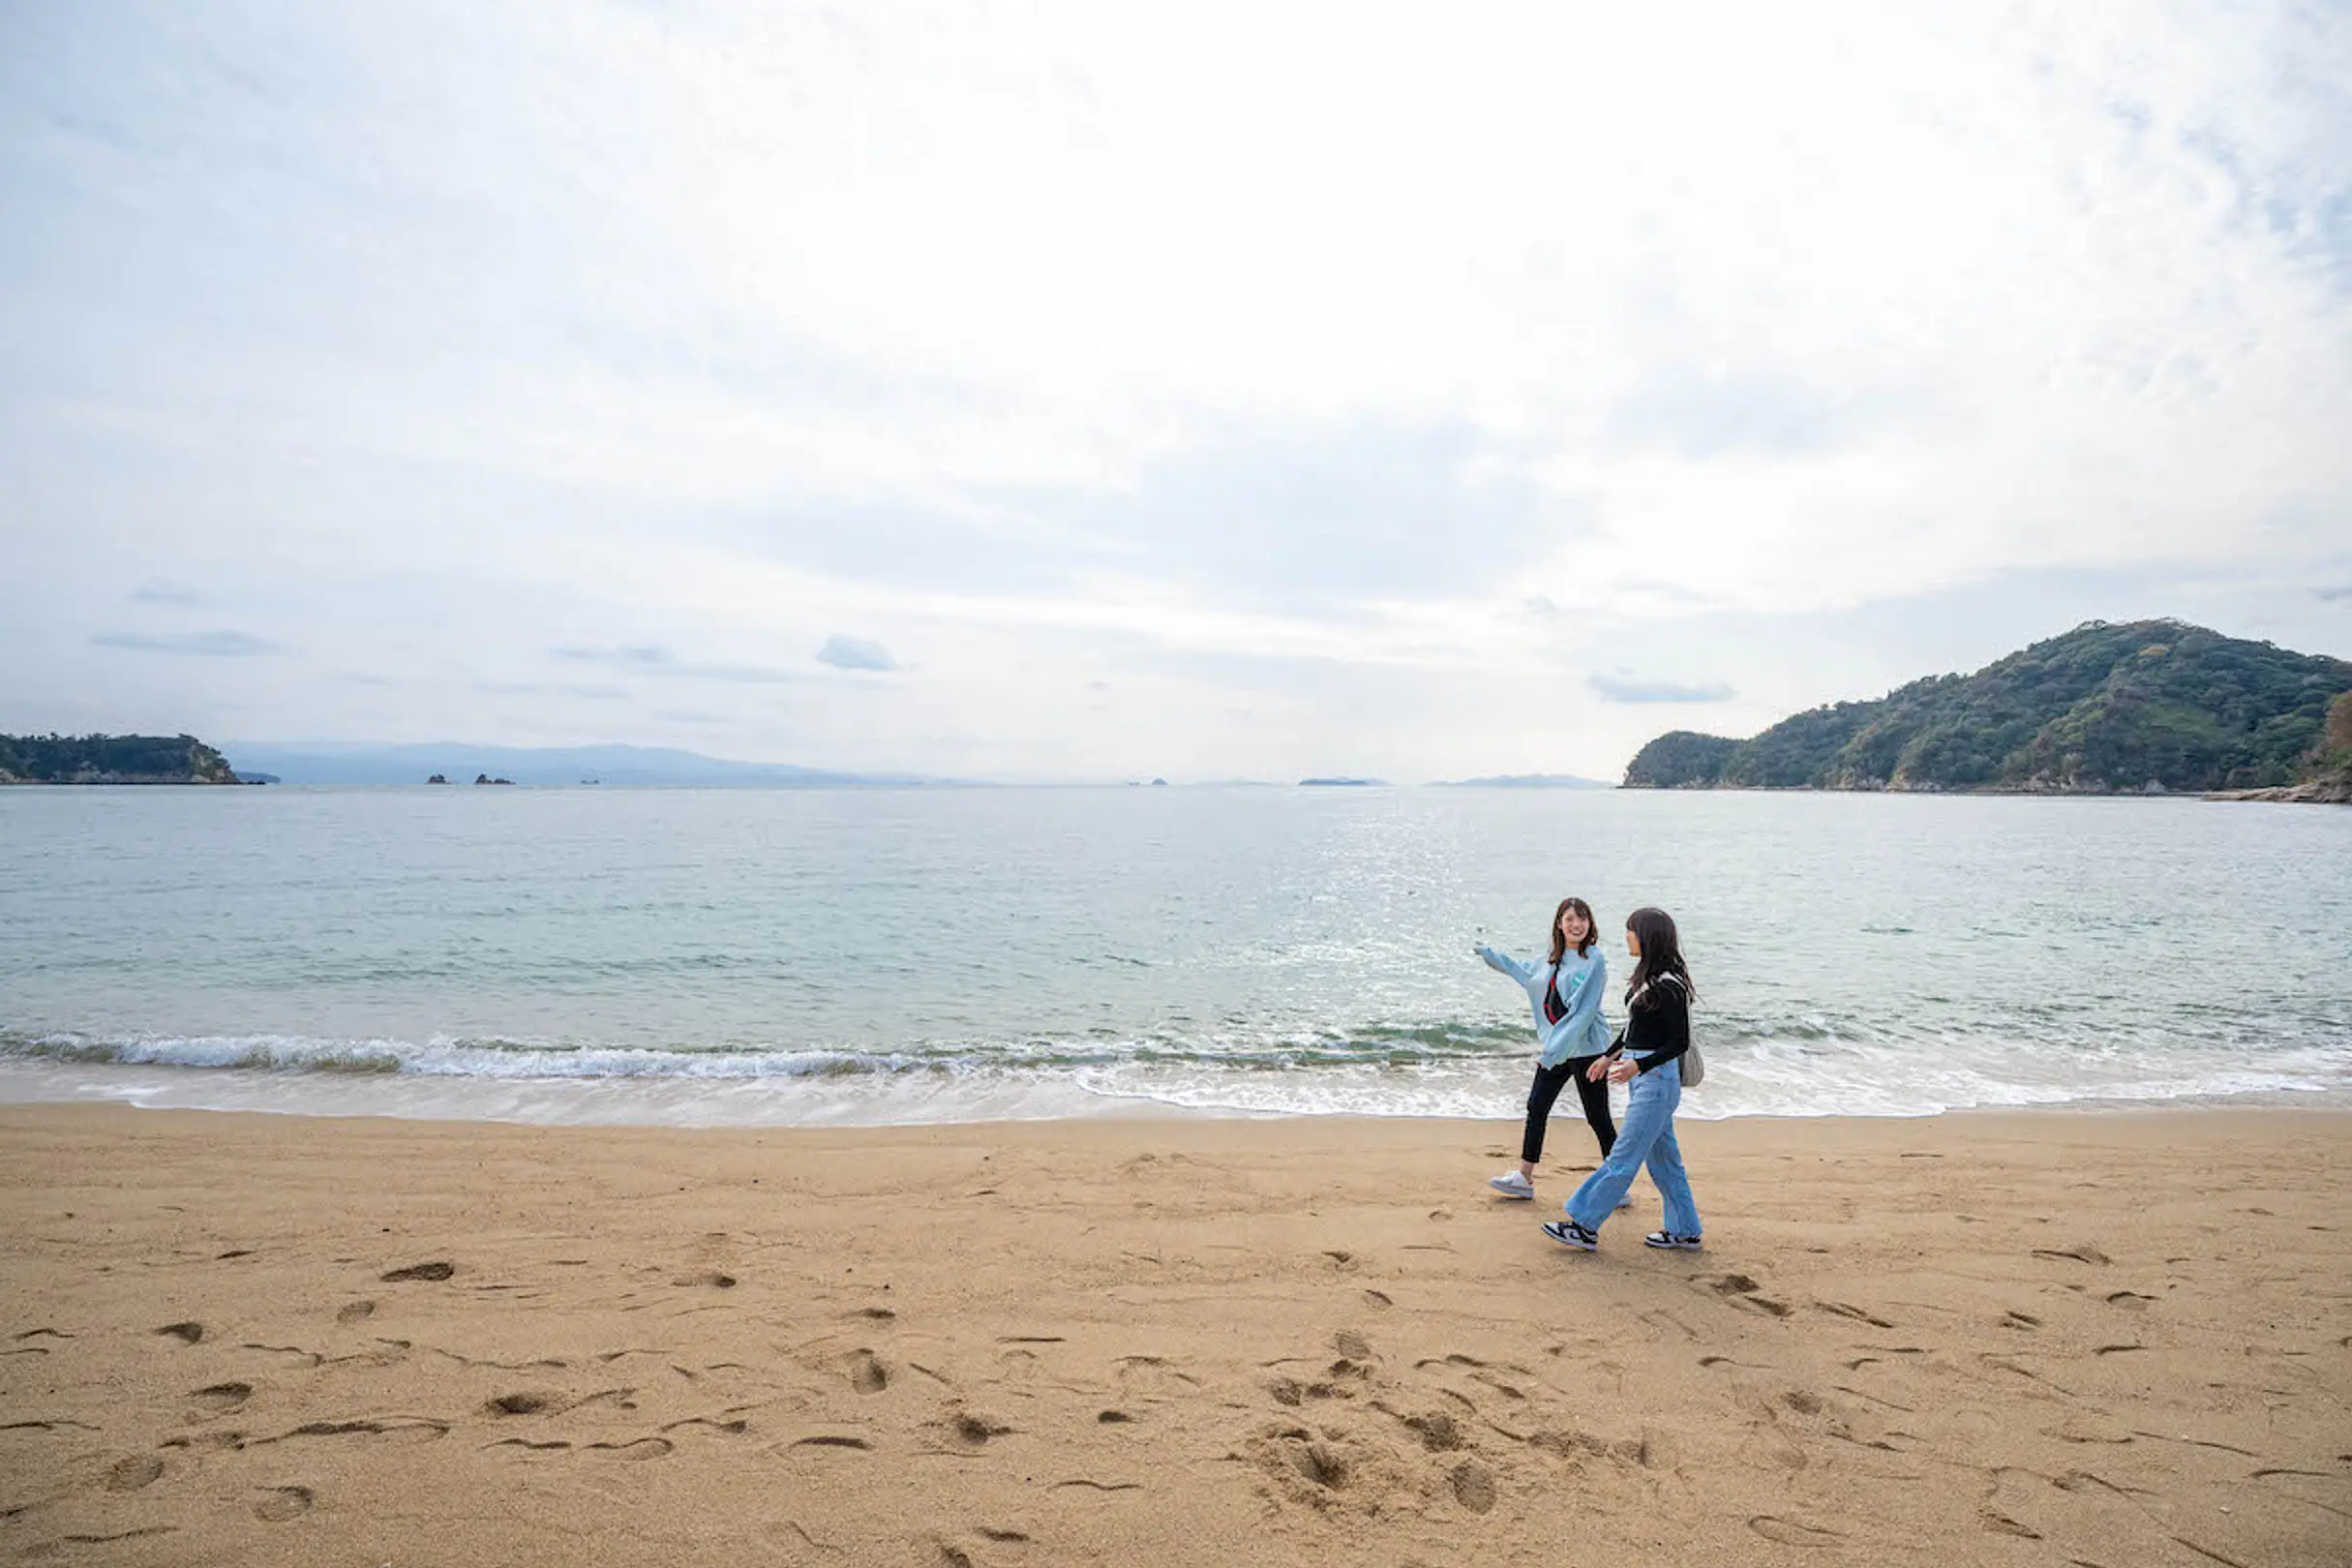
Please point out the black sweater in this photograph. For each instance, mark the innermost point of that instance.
(1657, 1024)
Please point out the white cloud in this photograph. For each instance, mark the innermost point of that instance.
(206, 643)
(1624, 686)
(1273, 359)
(855, 653)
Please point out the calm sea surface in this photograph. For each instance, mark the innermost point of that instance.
(872, 956)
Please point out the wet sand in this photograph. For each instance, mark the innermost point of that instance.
(2118, 1340)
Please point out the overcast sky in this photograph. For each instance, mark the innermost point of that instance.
(1080, 392)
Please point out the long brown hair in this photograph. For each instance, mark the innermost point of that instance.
(1559, 943)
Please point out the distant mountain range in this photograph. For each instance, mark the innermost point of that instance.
(2151, 704)
(460, 762)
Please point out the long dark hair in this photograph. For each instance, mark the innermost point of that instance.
(1661, 952)
(1592, 928)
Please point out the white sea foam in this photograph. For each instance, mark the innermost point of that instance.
(454, 1078)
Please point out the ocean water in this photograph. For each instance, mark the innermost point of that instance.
(915, 955)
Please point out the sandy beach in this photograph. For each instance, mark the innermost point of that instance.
(2118, 1340)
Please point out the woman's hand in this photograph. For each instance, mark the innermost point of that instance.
(1623, 1071)
(1600, 1065)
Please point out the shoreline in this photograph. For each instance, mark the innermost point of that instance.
(877, 1102)
(1970, 1340)
(1166, 1123)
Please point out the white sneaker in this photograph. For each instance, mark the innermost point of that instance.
(1513, 1183)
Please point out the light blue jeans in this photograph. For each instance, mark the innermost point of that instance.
(1648, 1134)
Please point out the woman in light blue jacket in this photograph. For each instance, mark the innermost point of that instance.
(1565, 991)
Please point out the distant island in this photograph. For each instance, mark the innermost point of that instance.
(346, 763)
(2152, 706)
(1528, 781)
(113, 759)
(1343, 783)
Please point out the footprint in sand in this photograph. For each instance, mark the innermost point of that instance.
(974, 1431)
(1844, 1309)
(1473, 1486)
(358, 1311)
(640, 1448)
(87, 1539)
(1319, 1462)
(868, 1375)
(1793, 1532)
(222, 1398)
(519, 1404)
(1438, 1432)
(279, 1504)
(715, 1279)
(420, 1271)
(419, 1429)
(185, 1333)
(2082, 1253)
(132, 1474)
(1742, 1291)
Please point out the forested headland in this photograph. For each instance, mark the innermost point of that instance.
(2144, 707)
(111, 759)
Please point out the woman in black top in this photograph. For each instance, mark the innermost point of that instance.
(1648, 1056)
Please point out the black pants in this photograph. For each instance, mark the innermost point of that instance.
(1549, 1083)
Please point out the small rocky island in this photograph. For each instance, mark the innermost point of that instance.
(113, 759)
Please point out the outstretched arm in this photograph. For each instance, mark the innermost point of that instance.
(1505, 963)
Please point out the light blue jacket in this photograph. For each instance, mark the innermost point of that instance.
(1582, 1030)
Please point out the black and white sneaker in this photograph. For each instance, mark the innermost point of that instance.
(1568, 1233)
(1666, 1241)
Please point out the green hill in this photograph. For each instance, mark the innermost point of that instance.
(2101, 709)
(110, 759)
